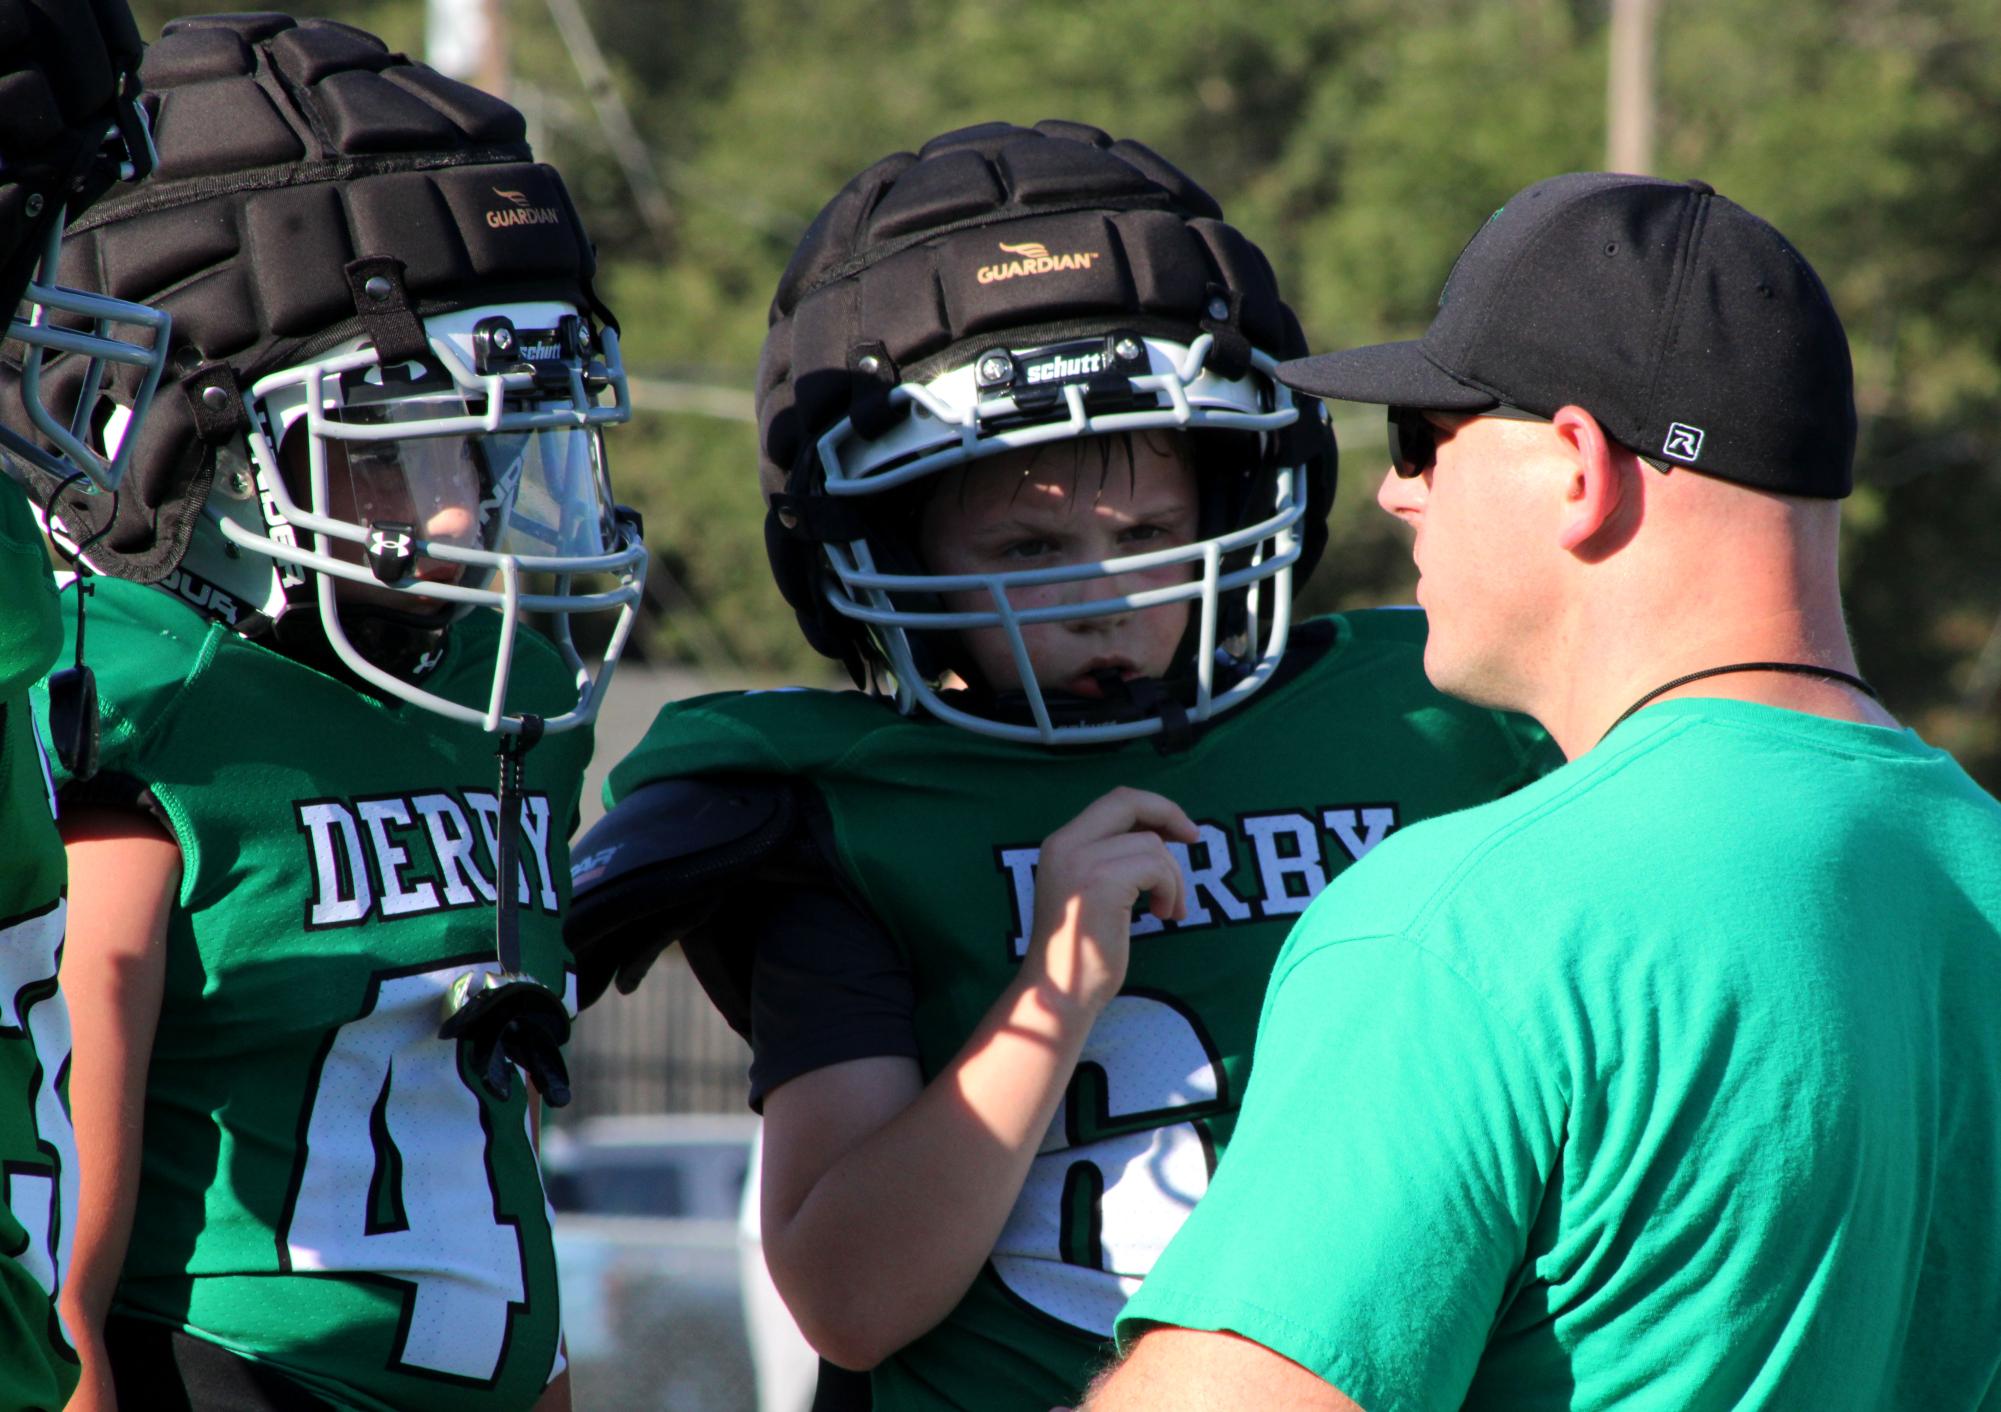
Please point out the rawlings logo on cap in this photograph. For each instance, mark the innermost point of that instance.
(1033, 258)
(1684, 442)
(524, 212)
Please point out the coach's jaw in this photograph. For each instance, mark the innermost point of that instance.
(1498, 522)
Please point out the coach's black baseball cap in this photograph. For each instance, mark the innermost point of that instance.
(1692, 330)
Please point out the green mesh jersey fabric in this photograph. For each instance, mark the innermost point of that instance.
(37, 1166)
(938, 830)
(325, 1187)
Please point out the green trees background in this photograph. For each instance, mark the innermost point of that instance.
(1359, 143)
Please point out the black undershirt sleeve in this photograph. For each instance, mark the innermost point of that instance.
(827, 985)
(108, 789)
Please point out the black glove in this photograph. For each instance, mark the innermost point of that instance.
(509, 1021)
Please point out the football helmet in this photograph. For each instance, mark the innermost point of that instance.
(71, 127)
(485, 463)
(1009, 288)
(390, 370)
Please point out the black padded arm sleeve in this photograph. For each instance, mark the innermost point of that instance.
(737, 870)
(828, 985)
(654, 869)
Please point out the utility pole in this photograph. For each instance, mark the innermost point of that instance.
(1629, 87)
(628, 149)
(467, 40)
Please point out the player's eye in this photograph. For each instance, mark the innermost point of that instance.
(1027, 548)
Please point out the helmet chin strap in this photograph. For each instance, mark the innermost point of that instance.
(507, 1018)
(389, 640)
(1123, 699)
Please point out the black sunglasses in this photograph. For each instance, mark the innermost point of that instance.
(1414, 436)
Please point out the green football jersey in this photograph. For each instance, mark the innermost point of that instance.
(326, 1188)
(938, 829)
(38, 1368)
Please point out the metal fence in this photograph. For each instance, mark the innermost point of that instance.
(662, 1049)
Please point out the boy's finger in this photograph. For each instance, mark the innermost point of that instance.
(1124, 810)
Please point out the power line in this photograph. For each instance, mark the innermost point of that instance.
(672, 395)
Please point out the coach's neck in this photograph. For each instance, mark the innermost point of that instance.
(1660, 574)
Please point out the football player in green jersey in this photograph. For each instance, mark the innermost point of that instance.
(69, 127)
(999, 929)
(311, 938)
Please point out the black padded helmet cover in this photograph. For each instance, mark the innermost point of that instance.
(921, 260)
(289, 149)
(67, 76)
(67, 71)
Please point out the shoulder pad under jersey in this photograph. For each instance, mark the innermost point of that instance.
(651, 871)
(791, 731)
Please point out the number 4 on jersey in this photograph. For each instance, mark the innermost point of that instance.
(42, 1197)
(395, 1182)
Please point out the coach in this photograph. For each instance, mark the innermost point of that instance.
(1673, 1079)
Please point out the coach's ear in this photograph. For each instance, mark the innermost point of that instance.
(1602, 499)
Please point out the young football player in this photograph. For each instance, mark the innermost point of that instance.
(315, 927)
(1028, 467)
(69, 127)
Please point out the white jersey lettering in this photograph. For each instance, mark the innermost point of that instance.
(1280, 868)
(452, 845)
(341, 891)
(1285, 846)
(1020, 865)
(425, 854)
(1375, 825)
(391, 858)
(535, 823)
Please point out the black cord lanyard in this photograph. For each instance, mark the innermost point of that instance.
(1798, 669)
(73, 721)
(513, 751)
(508, 1018)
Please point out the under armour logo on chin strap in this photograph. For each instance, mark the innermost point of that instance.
(392, 551)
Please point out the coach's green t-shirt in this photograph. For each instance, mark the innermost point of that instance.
(1670, 1081)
